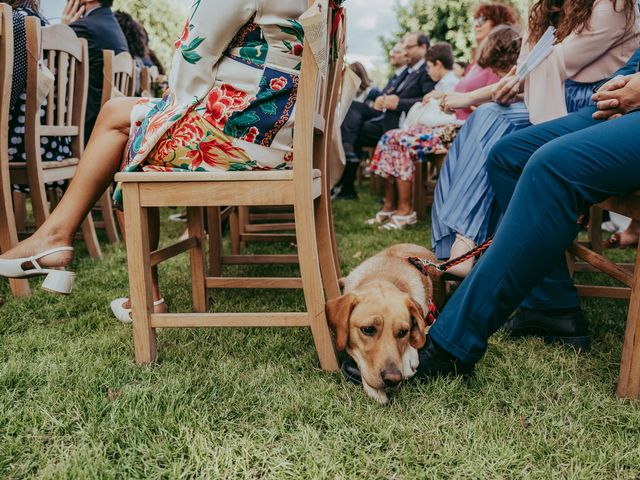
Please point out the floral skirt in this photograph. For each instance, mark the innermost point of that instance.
(399, 148)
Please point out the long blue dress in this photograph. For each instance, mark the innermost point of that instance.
(464, 201)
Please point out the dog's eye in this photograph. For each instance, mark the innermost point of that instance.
(369, 331)
(403, 333)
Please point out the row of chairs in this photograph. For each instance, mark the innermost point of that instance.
(66, 56)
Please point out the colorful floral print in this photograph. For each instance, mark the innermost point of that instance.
(223, 101)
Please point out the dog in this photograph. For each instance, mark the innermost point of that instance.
(380, 318)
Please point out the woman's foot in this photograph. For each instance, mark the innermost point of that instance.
(399, 222)
(121, 308)
(461, 246)
(381, 217)
(36, 245)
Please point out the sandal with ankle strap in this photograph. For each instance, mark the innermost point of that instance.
(57, 280)
(124, 314)
(380, 218)
(399, 222)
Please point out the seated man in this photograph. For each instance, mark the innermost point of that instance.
(102, 31)
(364, 125)
(544, 177)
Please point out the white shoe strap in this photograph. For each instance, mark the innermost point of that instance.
(34, 258)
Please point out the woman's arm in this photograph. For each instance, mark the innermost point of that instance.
(211, 26)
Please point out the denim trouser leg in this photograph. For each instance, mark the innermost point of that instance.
(547, 175)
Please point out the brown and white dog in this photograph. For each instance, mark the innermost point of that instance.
(380, 318)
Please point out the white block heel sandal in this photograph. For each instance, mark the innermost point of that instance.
(57, 281)
(124, 314)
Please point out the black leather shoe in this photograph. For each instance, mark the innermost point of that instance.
(437, 362)
(434, 362)
(346, 195)
(570, 328)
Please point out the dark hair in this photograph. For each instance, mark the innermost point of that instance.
(156, 61)
(33, 4)
(134, 33)
(500, 50)
(443, 52)
(568, 17)
(462, 64)
(106, 3)
(497, 14)
(422, 39)
(361, 72)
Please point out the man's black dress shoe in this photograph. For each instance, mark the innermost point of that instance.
(434, 362)
(570, 328)
(342, 195)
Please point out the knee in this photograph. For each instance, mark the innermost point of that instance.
(498, 158)
(115, 114)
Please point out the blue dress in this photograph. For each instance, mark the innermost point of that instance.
(464, 201)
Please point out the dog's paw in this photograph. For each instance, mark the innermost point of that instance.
(379, 396)
(410, 362)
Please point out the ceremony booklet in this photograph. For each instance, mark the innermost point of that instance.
(538, 53)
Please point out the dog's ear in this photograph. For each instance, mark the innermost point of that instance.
(417, 336)
(338, 313)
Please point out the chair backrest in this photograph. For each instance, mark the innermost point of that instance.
(311, 111)
(118, 75)
(66, 57)
(148, 78)
(6, 74)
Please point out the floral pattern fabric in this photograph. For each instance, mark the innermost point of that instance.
(398, 149)
(232, 92)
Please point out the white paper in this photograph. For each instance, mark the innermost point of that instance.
(314, 24)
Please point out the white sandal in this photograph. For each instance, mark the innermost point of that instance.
(124, 314)
(380, 218)
(57, 281)
(399, 222)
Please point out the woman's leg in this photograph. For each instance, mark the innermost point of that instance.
(390, 195)
(99, 163)
(405, 188)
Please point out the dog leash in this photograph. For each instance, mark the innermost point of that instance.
(423, 265)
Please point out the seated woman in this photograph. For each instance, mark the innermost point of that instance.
(233, 62)
(593, 39)
(397, 150)
(52, 148)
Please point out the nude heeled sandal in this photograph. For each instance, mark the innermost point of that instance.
(57, 281)
(461, 246)
(124, 314)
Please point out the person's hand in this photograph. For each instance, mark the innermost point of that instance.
(508, 89)
(435, 94)
(73, 10)
(450, 102)
(378, 104)
(618, 96)
(391, 102)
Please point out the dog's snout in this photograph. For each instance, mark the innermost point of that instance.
(391, 376)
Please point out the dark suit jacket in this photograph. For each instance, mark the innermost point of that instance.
(415, 86)
(102, 31)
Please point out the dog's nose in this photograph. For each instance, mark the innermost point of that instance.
(391, 376)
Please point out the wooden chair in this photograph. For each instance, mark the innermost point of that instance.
(627, 274)
(148, 78)
(301, 187)
(67, 56)
(424, 183)
(118, 80)
(8, 232)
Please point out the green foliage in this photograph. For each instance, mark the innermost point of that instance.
(163, 20)
(442, 20)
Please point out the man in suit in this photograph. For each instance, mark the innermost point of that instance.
(102, 31)
(364, 125)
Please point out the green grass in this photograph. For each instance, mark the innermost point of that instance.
(251, 403)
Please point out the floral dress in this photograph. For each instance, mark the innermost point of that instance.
(232, 92)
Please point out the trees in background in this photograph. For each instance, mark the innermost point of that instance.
(442, 20)
(163, 19)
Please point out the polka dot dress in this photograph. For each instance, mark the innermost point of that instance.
(52, 149)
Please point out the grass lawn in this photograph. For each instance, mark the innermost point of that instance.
(250, 403)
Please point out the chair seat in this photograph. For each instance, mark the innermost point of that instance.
(249, 176)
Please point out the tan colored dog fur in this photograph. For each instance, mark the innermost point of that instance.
(379, 320)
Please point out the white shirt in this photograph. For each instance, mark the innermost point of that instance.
(417, 66)
(447, 83)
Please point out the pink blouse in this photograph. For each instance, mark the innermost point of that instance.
(585, 57)
(476, 77)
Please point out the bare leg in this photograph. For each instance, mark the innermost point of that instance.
(98, 165)
(390, 199)
(404, 197)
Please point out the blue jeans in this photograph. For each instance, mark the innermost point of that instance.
(544, 177)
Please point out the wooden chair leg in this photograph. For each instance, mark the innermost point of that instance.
(20, 210)
(629, 381)
(234, 231)
(215, 241)
(138, 259)
(90, 238)
(9, 237)
(418, 192)
(108, 217)
(595, 229)
(312, 284)
(326, 248)
(243, 220)
(195, 225)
